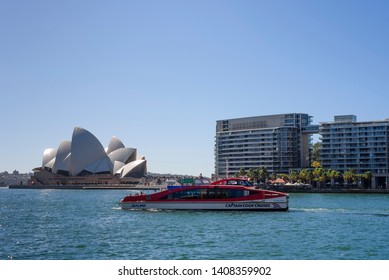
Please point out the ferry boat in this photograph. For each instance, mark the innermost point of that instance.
(226, 194)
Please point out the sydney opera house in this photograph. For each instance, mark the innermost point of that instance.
(84, 160)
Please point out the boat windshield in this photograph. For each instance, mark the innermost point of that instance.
(239, 182)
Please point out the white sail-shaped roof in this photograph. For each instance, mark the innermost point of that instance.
(103, 165)
(84, 154)
(117, 165)
(134, 168)
(86, 150)
(114, 145)
(48, 155)
(50, 164)
(124, 155)
(62, 160)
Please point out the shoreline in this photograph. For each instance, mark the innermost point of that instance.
(121, 187)
(334, 191)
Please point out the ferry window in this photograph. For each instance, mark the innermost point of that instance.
(205, 193)
(181, 195)
(186, 194)
(239, 182)
(217, 193)
(211, 194)
(238, 193)
(223, 193)
(169, 196)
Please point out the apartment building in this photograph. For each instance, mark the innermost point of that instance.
(361, 146)
(277, 142)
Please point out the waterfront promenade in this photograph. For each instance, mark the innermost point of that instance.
(292, 189)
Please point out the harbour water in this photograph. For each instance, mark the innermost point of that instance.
(89, 225)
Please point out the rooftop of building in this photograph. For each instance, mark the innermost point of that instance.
(263, 117)
(352, 119)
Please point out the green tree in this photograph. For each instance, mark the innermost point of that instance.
(333, 175)
(316, 152)
(306, 176)
(318, 174)
(242, 172)
(316, 164)
(322, 179)
(256, 175)
(263, 174)
(349, 176)
(251, 174)
(294, 176)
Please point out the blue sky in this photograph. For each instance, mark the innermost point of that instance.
(159, 74)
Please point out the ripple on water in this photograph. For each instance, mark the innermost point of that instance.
(91, 225)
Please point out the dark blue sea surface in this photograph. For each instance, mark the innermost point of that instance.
(88, 224)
